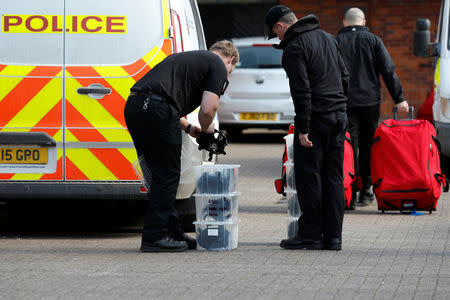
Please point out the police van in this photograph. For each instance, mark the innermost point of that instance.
(441, 51)
(66, 68)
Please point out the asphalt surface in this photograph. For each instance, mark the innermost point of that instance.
(58, 250)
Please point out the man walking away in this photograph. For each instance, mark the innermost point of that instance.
(366, 57)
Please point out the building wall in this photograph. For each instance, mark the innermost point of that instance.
(394, 21)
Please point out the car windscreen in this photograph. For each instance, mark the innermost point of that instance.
(259, 57)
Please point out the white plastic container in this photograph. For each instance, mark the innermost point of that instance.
(293, 206)
(292, 227)
(289, 139)
(216, 236)
(216, 208)
(216, 179)
(290, 175)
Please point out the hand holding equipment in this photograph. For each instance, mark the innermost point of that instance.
(212, 143)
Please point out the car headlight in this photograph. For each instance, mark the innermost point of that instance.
(445, 107)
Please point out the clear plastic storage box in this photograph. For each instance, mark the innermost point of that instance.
(289, 139)
(292, 227)
(216, 208)
(216, 236)
(290, 175)
(216, 179)
(292, 203)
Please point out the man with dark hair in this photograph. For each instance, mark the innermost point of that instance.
(366, 57)
(154, 116)
(317, 80)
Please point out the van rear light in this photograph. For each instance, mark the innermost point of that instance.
(143, 189)
(177, 41)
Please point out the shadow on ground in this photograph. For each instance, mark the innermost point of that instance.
(70, 218)
(257, 136)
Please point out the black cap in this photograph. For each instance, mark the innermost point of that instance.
(274, 15)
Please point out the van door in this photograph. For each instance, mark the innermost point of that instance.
(31, 89)
(109, 45)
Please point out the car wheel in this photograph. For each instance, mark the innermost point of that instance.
(186, 211)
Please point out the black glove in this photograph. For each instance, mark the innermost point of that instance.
(211, 143)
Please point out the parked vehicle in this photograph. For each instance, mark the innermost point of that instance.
(66, 68)
(258, 94)
(441, 51)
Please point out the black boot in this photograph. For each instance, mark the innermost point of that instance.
(166, 244)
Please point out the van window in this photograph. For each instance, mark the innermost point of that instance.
(26, 36)
(118, 32)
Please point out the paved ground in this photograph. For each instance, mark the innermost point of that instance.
(383, 257)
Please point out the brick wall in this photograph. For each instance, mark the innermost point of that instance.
(394, 21)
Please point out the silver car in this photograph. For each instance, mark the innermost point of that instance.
(258, 94)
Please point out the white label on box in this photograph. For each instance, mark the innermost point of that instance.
(213, 231)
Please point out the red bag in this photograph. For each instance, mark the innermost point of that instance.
(349, 173)
(405, 166)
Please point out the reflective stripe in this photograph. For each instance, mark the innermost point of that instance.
(87, 162)
(96, 145)
(166, 13)
(39, 106)
(8, 84)
(437, 72)
(95, 113)
(121, 85)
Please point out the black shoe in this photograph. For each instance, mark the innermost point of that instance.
(300, 243)
(332, 244)
(166, 244)
(366, 196)
(191, 242)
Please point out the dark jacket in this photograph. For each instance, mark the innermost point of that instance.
(366, 57)
(317, 75)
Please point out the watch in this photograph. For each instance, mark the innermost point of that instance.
(188, 128)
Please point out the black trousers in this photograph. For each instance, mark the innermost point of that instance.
(156, 134)
(362, 124)
(319, 177)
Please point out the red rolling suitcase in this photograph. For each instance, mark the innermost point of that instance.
(405, 165)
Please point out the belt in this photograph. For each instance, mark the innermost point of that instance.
(148, 95)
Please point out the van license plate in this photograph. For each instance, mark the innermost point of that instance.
(259, 116)
(23, 155)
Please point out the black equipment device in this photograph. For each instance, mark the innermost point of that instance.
(214, 144)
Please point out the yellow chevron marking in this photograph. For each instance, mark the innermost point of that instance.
(149, 56)
(93, 111)
(87, 162)
(130, 154)
(437, 72)
(9, 83)
(116, 135)
(157, 59)
(39, 106)
(24, 176)
(121, 85)
(166, 18)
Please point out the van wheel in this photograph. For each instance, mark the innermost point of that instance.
(186, 211)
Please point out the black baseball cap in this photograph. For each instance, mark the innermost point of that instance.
(274, 15)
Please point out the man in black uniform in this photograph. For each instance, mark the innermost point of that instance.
(154, 116)
(366, 58)
(316, 78)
